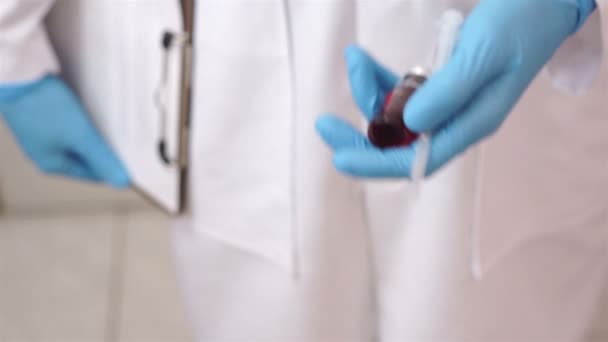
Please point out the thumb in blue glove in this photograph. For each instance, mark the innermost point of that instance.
(55, 133)
(503, 45)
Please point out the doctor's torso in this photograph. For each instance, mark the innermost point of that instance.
(264, 70)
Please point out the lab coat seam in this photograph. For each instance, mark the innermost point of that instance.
(373, 271)
(371, 250)
(292, 188)
(476, 257)
(513, 248)
(243, 245)
(602, 10)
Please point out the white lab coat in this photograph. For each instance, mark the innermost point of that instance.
(507, 243)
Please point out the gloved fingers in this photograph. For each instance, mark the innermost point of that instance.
(369, 81)
(64, 165)
(101, 160)
(88, 145)
(375, 163)
(476, 62)
(356, 156)
(480, 119)
(339, 134)
(79, 171)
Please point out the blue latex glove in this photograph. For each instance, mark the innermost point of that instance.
(503, 45)
(56, 134)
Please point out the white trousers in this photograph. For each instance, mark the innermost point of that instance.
(349, 289)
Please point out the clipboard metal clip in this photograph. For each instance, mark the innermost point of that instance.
(169, 42)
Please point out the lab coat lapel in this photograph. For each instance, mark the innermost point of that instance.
(242, 121)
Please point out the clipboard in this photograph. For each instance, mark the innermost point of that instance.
(130, 63)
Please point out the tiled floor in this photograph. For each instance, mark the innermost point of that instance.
(104, 277)
(97, 278)
(151, 308)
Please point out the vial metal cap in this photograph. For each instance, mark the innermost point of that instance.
(419, 71)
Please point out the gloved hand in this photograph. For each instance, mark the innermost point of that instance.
(56, 134)
(502, 47)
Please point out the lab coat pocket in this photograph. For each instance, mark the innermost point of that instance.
(544, 177)
(242, 122)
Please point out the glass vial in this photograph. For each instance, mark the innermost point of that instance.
(387, 128)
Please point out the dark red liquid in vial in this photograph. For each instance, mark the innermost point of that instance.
(387, 129)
